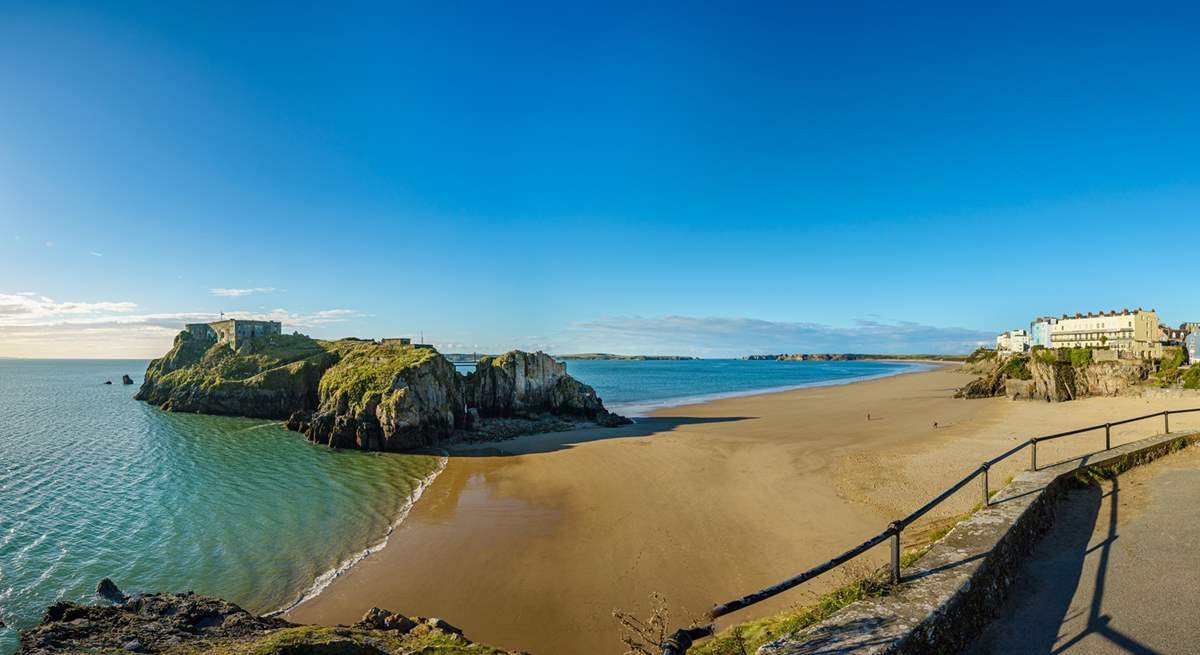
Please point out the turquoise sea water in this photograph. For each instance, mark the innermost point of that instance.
(634, 387)
(96, 484)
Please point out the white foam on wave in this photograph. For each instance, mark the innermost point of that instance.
(642, 408)
(325, 579)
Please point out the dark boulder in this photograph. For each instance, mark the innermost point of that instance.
(107, 589)
(125, 379)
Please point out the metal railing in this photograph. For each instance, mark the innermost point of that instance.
(681, 640)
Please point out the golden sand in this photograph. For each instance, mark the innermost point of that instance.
(530, 544)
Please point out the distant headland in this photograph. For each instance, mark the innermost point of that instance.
(841, 357)
(638, 358)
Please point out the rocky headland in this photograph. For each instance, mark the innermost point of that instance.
(1067, 374)
(353, 393)
(189, 624)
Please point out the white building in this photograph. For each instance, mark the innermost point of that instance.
(1134, 332)
(1013, 341)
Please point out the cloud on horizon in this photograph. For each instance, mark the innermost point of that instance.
(238, 293)
(736, 336)
(33, 325)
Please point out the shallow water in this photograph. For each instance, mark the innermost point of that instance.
(634, 387)
(95, 484)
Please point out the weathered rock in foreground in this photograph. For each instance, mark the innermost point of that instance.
(352, 393)
(187, 623)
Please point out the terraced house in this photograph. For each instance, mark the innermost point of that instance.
(1128, 332)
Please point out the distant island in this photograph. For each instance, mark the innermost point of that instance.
(371, 395)
(638, 358)
(841, 357)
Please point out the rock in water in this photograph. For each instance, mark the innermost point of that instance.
(125, 379)
(108, 590)
(108, 382)
(361, 394)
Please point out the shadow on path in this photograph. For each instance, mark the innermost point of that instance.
(1040, 605)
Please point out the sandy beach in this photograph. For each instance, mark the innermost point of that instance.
(529, 544)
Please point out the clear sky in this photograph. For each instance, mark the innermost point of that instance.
(715, 179)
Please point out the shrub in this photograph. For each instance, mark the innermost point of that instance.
(1017, 368)
(1081, 356)
(980, 354)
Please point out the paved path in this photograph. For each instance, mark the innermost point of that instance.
(1118, 573)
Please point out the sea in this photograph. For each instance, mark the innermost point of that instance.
(95, 484)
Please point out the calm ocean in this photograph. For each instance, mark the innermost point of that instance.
(96, 484)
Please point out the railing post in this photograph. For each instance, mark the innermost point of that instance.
(986, 499)
(1166, 421)
(1033, 454)
(895, 528)
(1108, 436)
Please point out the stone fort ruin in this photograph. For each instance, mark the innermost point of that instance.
(234, 331)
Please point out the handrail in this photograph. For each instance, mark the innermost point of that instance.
(763, 594)
(679, 642)
(908, 520)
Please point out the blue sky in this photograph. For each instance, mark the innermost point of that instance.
(716, 179)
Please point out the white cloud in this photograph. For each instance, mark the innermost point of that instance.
(96, 254)
(735, 336)
(33, 325)
(238, 293)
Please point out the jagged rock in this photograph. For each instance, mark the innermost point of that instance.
(438, 624)
(381, 619)
(527, 384)
(1054, 377)
(204, 376)
(108, 590)
(125, 379)
(187, 623)
(152, 621)
(371, 396)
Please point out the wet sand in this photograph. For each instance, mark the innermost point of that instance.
(530, 544)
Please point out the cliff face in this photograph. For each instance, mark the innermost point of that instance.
(361, 394)
(523, 384)
(386, 398)
(1047, 375)
(271, 377)
(182, 624)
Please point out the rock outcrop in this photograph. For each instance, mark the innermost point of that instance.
(125, 379)
(361, 394)
(386, 398)
(202, 376)
(1057, 376)
(188, 623)
(528, 384)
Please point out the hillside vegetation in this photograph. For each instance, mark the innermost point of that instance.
(354, 393)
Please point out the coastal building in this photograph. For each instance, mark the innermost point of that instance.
(1171, 336)
(1128, 332)
(1013, 341)
(1039, 331)
(233, 330)
(1192, 344)
(396, 341)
